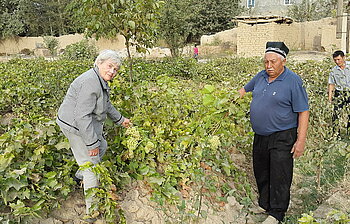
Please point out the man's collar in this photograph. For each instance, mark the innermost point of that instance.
(347, 65)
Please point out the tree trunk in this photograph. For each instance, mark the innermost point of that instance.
(127, 43)
(174, 52)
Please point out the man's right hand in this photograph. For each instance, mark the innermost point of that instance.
(241, 92)
(94, 152)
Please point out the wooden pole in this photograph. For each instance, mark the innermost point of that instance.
(339, 19)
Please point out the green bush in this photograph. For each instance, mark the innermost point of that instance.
(51, 43)
(80, 50)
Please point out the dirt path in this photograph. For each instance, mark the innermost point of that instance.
(140, 209)
(302, 56)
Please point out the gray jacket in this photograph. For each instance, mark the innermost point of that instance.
(86, 106)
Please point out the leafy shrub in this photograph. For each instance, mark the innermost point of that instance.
(334, 217)
(51, 43)
(80, 51)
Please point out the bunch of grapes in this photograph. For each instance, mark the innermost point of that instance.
(214, 142)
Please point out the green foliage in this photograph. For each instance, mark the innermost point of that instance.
(309, 10)
(51, 43)
(35, 161)
(214, 16)
(39, 18)
(10, 19)
(307, 219)
(334, 217)
(187, 20)
(34, 169)
(175, 24)
(39, 86)
(164, 148)
(135, 20)
(338, 217)
(47, 17)
(82, 50)
(106, 194)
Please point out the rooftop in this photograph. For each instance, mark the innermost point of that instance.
(263, 19)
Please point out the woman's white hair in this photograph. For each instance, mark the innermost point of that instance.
(108, 55)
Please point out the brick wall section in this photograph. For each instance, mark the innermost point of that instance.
(224, 36)
(251, 40)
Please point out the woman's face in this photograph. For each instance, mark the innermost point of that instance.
(108, 69)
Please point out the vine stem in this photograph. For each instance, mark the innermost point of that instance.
(200, 196)
(319, 171)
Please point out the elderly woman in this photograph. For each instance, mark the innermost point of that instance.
(83, 111)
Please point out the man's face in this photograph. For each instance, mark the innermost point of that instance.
(274, 64)
(108, 69)
(339, 60)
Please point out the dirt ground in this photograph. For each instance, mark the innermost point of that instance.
(308, 55)
(139, 209)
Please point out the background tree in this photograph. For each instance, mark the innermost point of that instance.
(213, 16)
(309, 10)
(175, 25)
(185, 21)
(11, 23)
(135, 20)
(48, 17)
(36, 18)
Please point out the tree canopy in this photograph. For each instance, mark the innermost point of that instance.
(136, 20)
(312, 10)
(35, 18)
(185, 21)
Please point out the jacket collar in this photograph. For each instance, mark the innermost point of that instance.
(103, 83)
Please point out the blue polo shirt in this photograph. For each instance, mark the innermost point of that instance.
(275, 105)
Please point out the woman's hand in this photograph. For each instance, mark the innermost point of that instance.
(94, 152)
(127, 123)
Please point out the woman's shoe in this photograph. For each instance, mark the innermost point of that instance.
(270, 220)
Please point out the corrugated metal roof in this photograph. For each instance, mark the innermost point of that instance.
(263, 19)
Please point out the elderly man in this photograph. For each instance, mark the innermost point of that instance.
(339, 83)
(279, 116)
(82, 113)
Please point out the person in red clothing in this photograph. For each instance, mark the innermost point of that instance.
(195, 52)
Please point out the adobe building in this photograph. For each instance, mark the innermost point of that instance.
(254, 31)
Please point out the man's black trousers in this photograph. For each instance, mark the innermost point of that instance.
(342, 99)
(273, 170)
